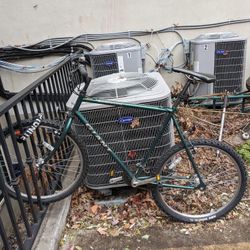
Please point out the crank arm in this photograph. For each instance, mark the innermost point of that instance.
(135, 182)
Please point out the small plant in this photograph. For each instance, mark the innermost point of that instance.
(244, 151)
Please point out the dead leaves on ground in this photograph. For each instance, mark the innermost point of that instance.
(127, 219)
(132, 217)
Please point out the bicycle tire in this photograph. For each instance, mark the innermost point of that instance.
(59, 177)
(222, 170)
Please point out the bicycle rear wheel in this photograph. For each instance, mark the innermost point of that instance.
(57, 178)
(221, 169)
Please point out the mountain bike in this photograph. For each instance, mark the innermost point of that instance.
(194, 180)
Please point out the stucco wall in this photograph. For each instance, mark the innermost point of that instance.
(29, 21)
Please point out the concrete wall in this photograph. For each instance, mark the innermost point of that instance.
(29, 21)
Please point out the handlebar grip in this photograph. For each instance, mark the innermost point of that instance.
(85, 76)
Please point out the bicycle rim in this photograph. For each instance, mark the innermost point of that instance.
(221, 169)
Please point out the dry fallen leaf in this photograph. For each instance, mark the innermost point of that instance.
(102, 231)
(76, 226)
(115, 222)
(145, 237)
(132, 221)
(114, 232)
(78, 248)
(127, 226)
(135, 123)
(94, 208)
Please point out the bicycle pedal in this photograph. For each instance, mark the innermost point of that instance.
(114, 180)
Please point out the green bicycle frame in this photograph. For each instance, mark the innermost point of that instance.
(169, 116)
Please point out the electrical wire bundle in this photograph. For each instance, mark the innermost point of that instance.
(50, 47)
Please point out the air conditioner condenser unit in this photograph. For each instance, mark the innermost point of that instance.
(127, 131)
(117, 57)
(222, 55)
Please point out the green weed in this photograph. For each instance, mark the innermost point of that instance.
(244, 151)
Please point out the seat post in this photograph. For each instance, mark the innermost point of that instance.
(182, 94)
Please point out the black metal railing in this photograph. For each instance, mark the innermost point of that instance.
(19, 220)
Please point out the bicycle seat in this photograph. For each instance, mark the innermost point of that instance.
(202, 76)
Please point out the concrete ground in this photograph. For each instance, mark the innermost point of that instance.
(235, 236)
(53, 226)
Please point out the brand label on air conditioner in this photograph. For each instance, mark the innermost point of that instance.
(126, 119)
(222, 52)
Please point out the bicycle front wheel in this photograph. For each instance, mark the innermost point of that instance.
(58, 177)
(221, 169)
